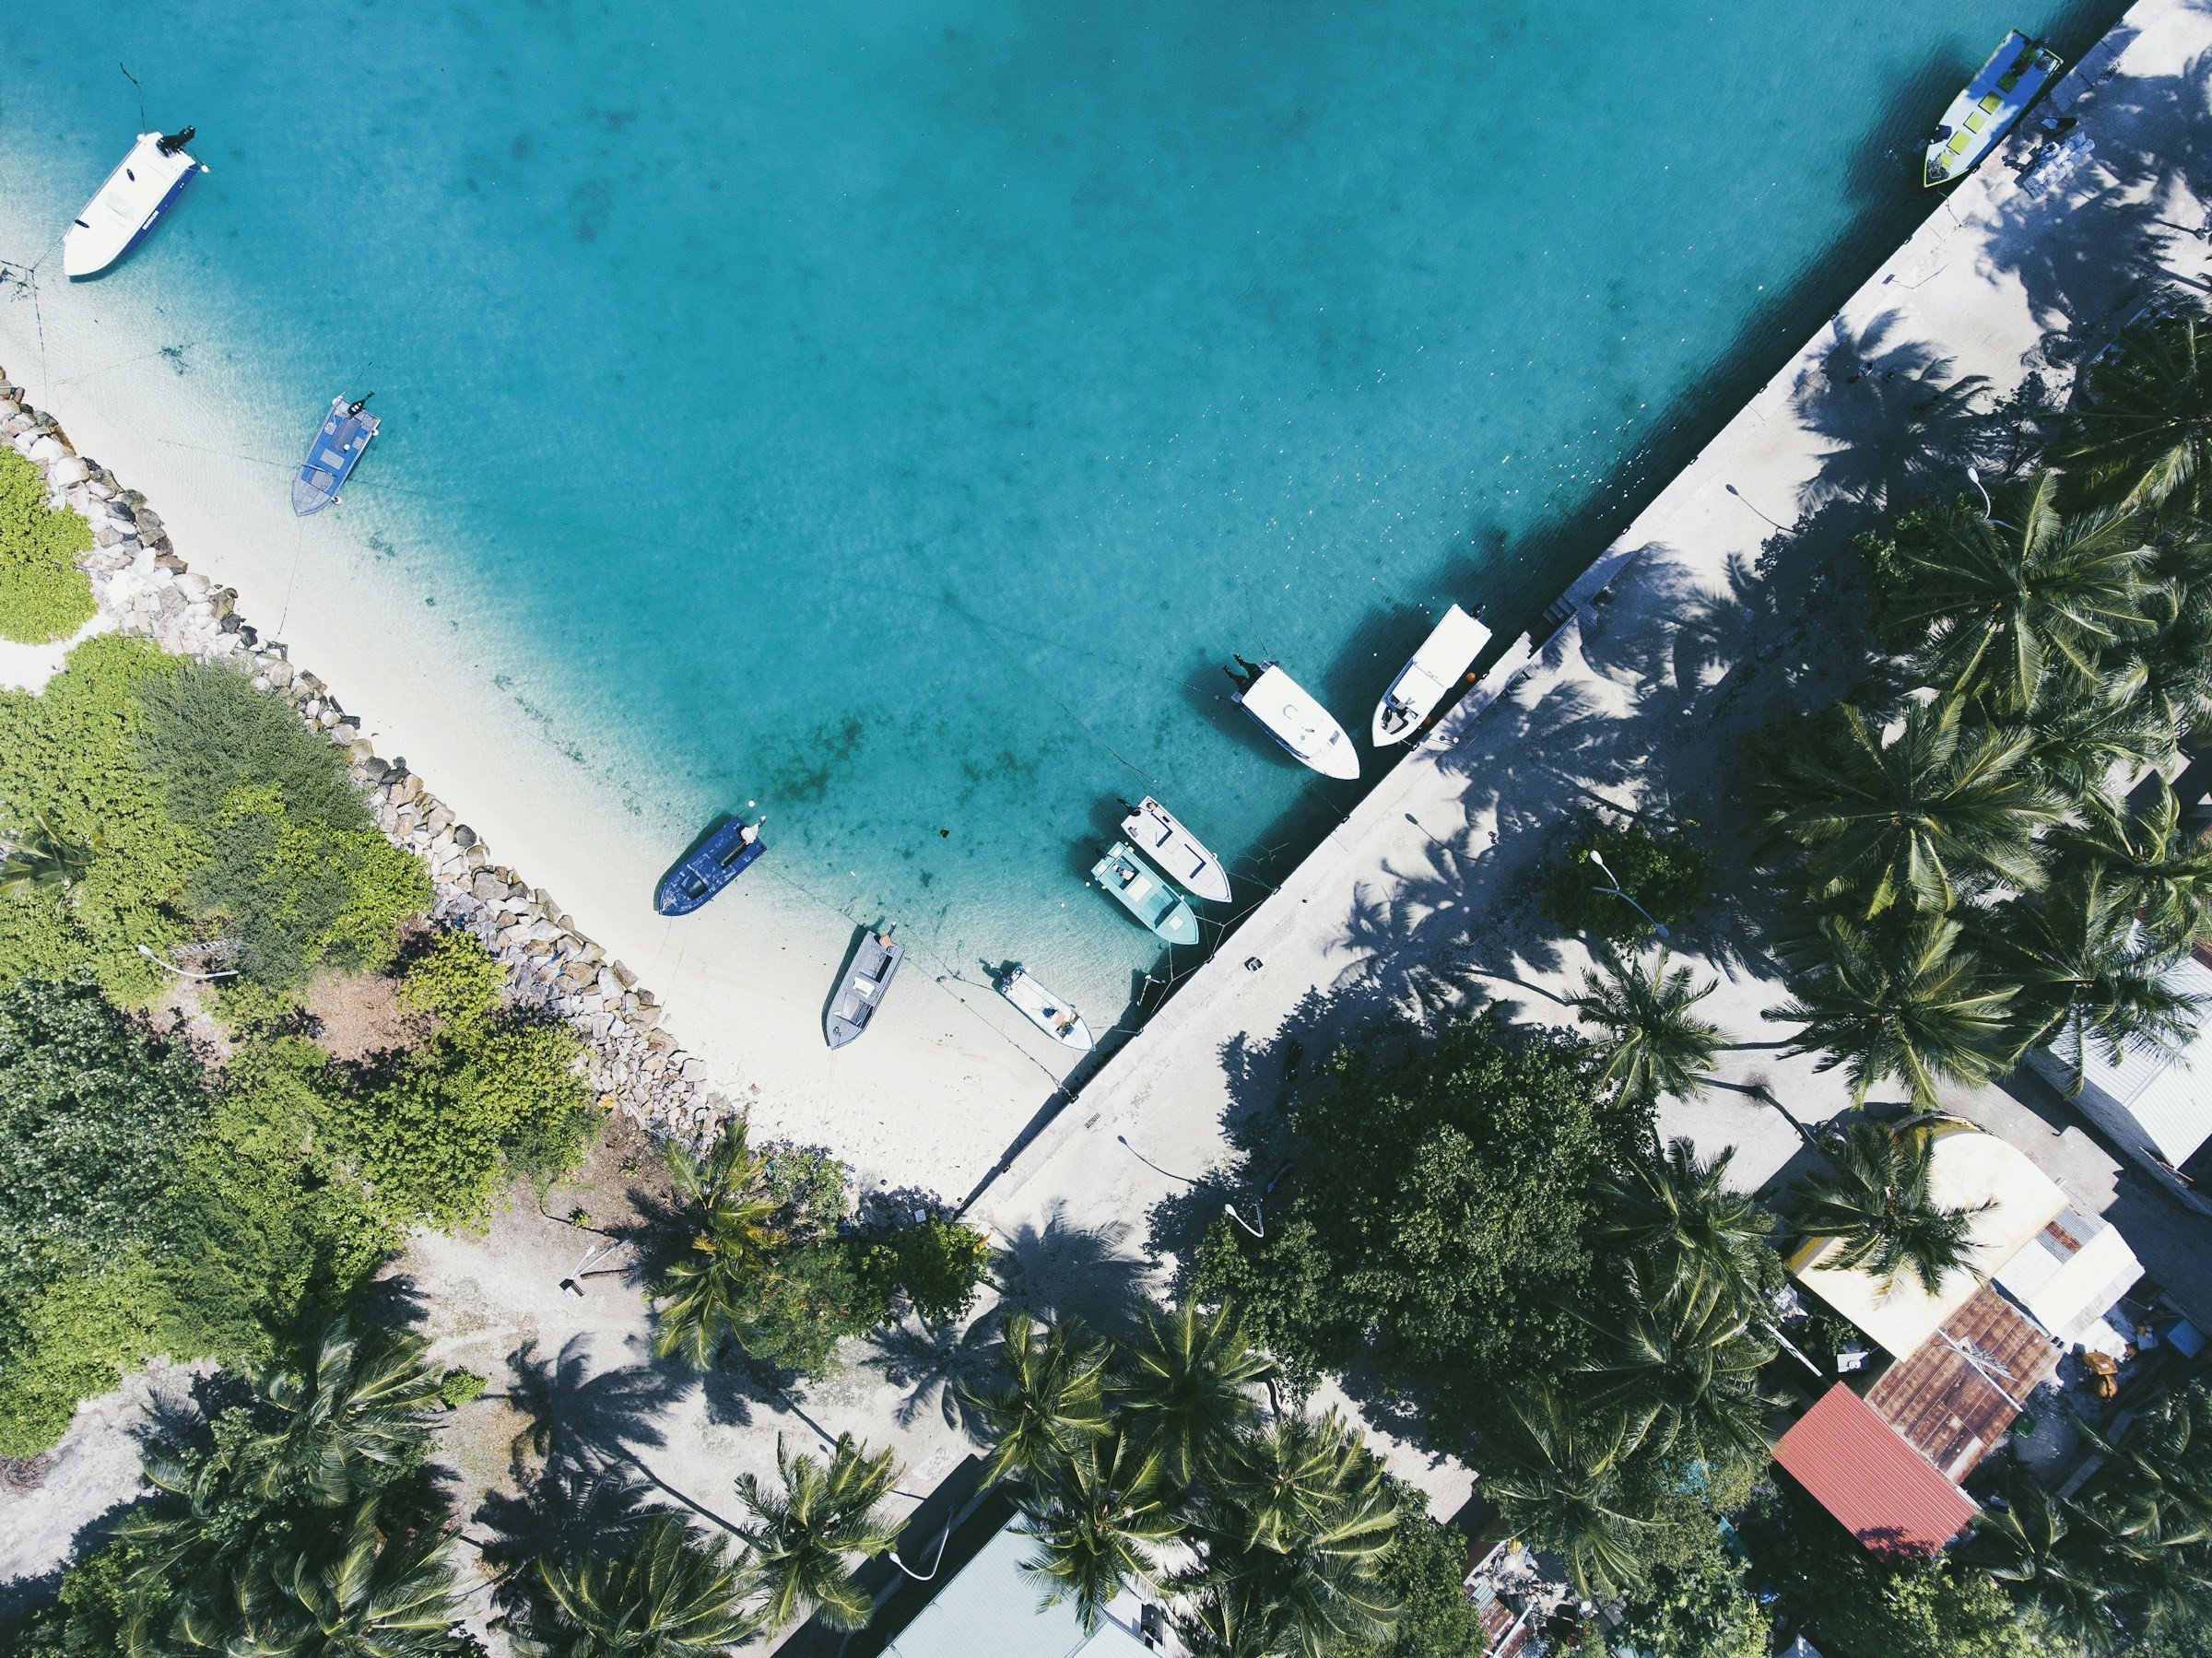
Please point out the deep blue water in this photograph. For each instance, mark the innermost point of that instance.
(895, 412)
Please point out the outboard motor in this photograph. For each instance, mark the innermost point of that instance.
(353, 409)
(177, 141)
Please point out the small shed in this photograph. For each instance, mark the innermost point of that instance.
(1888, 1496)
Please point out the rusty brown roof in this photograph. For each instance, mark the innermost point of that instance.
(1953, 1408)
(1885, 1494)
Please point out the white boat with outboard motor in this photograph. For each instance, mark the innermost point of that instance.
(1049, 1013)
(1182, 856)
(1986, 109)
(1294, 719)
(143, 187)
(1429, 675)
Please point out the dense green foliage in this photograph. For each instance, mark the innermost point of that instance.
(1440, 1224)
(301, 877)
(1664, 870)
(1422, 1572)
(936, 1263)
(1701, 1608)
(44, 595)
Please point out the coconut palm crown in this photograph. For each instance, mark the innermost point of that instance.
(1877, 1196)
(2143, 426)
(808, 1532)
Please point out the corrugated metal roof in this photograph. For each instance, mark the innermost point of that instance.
(990, 1610)
(1885, 1494)
(1956, 1397)
(2169, 1094)
(2068, 1290)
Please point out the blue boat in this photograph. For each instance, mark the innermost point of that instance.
(731, 850)
(335, 451)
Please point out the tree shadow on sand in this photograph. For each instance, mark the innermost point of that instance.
(931, 1363)
(1061, 1270)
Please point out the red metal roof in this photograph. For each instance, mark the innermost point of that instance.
(1888, 1495)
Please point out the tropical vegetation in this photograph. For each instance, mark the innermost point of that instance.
(44, 595)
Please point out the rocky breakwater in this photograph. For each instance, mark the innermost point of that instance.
(143, 588)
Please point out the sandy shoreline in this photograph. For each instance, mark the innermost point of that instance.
(934, 1095)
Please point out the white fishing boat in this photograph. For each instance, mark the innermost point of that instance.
(1429, 675)
(1984, 112)
(1182, 856)
(140, 190)
(1049, 1013)
(1295, 720)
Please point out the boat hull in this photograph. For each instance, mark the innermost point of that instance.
(1181, 855)
(332, 454)
(1049, 1013)
(124, 211)
(1130, 884)
(1307, 731)
(710, 866)
(874, 964)
(2016, 73)
(1430, 673)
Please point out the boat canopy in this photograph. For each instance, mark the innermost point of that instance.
(1298, 722)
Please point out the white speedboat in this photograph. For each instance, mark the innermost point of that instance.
(1429, 675)
(1984, 112)
(1295, 720)
(130, 204)
(1049, 1013)
(1154, 832)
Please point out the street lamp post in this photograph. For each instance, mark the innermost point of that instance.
(1598, 858)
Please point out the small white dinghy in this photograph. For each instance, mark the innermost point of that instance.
(1429, 676)
(1295, 720)
(144, 187)
(1182, 856)
(1049, 1013)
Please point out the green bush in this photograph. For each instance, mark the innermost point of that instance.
(300, 873)
(69, 758)
(1665, 871)
(1702, 1608)
(44, 595)
(458, 1387)
(938, 1265)
(1422, 1572)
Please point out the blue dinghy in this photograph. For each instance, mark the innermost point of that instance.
(713, 864)
(335, 451)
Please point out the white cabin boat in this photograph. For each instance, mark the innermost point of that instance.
(1182, 856)
(1296, 720)
(2015, 77)
(141, 189)
(1429, 675)
(1049, 1013)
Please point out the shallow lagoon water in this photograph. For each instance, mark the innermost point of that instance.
(895, 414)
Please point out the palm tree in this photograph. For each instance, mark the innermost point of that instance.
(1098, 1516)
(807, 1537)
(378, 1598)
(2082, 735)
(1553, 1470)
(1290, 1544)
(667, 1594)
(1907, 1001)
(1047, 1398)
(731, 1218)
(2159, 872)
(1682, 1365)
(1677, 1212)
(2049, 1550)
(1654, 1043)
(41, 861)
(2144, 422)
(2088, 971)
(2170, 672)
(2006, 603)
(1186, 1384)
(1875, 1195)
(2157, 1484)
(362, 1402)
(1913, 821)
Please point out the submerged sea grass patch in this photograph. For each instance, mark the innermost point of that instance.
(44, 595)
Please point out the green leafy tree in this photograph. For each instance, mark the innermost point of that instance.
(1939, 811)
(808, 1533)
(1048, 1399)
(1701, 1608)
(1908, 1000)
(1666, 872)
(937, 1264)
(2001, 605)
(1877, 1196)
(1098, 1516)
(1422, 1571)
(2143, 420)
(665, 1594)
(44, 595)
(1186, 1384)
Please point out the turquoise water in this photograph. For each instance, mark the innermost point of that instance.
(895, 413)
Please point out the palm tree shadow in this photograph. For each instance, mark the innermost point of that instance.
(1061, 1270)
(587, 1425)
(932, 1362)
(568, 1517)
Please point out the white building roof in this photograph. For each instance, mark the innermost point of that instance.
(1967, 1169)
(2071, 1273)
(2166, 1095)
(990, 1610)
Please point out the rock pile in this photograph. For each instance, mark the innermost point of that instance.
(143, 588)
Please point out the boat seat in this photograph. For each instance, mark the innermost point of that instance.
(1992, 103)
(1958, 146)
